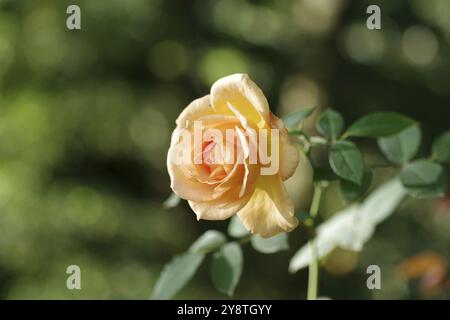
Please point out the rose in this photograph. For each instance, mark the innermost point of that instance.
(247, 185)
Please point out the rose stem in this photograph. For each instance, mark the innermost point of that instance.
(313, 265)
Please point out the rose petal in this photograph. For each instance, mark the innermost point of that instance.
(231, 181)
(198, 108)
(289, 155)
(219, 209)
(239, 90)
(218, 121)
(181, 180)
(269, 211)
(188, 189)
(246, 151)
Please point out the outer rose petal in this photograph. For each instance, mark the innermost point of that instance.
(198, 108)
(232, 198)
(269, 211)
(289, 160)
(220, 209)
(289, 155)
(183, 186)
(240, 91)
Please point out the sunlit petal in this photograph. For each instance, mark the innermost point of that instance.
(269, 211)
(240, 91)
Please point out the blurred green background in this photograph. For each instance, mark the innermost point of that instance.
(86, 117)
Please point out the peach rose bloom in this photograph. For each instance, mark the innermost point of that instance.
(217, 191)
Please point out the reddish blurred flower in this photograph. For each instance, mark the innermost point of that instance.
(431, 270)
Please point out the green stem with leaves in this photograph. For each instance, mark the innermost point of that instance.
(313, 276)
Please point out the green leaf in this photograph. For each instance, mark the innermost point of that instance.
(402, 146)
(181, 269)
(291, 120)
(208, 242)
(441, 147)
(330, 124)
(351, 191)
(378, 125)
(424, 179)
(226, 268)
(172, 201)
(270, 245)
(236, 228)
(176, 274)
(346, 161)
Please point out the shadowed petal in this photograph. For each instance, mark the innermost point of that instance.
(289, 157)
(219, 209)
